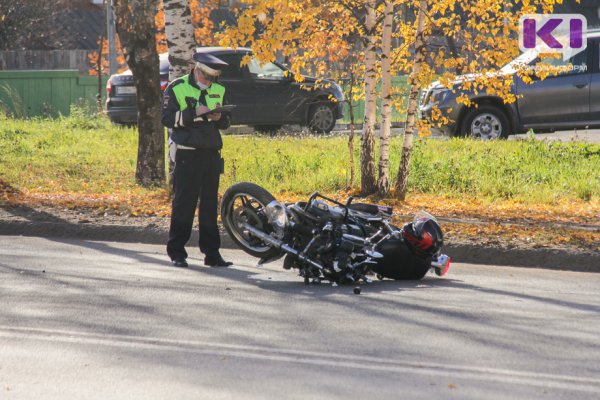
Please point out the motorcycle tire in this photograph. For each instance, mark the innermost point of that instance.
(263, 197)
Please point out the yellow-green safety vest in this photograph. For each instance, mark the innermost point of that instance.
(183, 90)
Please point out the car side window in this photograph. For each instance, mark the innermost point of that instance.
(266, 71)
(233, 69)
(578, 64)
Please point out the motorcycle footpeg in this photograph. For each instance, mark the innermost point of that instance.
(347, 279)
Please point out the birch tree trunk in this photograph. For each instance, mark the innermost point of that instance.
(383, 182)
(367, 151)
(180, 37)
(181, 44)
(410, 129)
(351, 145)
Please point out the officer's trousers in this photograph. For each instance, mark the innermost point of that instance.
(195, 178)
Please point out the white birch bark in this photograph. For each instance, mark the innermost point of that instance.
(180, 37)
(383, 182)
(411, 113)
(367, 153)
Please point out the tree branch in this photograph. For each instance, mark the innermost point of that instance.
(355, 12)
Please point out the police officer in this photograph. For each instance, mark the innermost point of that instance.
(195, 144)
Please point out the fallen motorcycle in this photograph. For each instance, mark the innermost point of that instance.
(324, 239)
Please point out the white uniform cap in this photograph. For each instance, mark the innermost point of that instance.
(207, 70)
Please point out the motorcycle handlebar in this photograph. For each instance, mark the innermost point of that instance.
(317, 194)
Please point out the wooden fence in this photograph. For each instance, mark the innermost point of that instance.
(45, 60)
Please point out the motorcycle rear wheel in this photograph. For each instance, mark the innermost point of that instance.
(245, 203)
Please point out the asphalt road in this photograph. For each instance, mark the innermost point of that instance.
(580, 135)
(104, 320)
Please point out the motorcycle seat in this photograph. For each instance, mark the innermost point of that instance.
(372, 209)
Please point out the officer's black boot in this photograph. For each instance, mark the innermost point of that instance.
(215, 260)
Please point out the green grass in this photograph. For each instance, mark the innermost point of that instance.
(83, 154)
(76, 154)
(532, 171)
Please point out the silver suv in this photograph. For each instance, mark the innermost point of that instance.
(567, 100)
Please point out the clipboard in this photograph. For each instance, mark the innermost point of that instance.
(221, 109)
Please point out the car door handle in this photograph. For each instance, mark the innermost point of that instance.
(580, 85)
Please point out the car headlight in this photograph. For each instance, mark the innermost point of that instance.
(438, 95)
(336, 91)
(340, 91)
(277, 215)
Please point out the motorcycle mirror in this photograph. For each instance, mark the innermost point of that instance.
(349, 200)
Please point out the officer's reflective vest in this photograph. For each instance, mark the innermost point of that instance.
(186, 94)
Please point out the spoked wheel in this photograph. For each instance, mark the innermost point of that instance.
(244, 203)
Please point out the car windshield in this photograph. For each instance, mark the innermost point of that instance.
(266, 70)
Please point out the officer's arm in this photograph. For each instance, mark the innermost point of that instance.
(170, 115)
(225, 121)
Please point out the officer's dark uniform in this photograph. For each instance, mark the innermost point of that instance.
(198, 164)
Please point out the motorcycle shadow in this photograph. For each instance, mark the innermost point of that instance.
(287, 282)
(324, 289)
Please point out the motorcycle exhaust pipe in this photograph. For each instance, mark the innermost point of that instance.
(280, 245)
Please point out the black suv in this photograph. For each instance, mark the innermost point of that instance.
(266, 95)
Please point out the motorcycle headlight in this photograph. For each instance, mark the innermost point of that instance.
(277, 215)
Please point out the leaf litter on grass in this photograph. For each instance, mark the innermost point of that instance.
(573, 224)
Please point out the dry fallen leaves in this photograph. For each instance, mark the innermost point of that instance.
(504, 223)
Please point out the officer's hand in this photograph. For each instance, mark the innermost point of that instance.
(214, 116)
(202, 110)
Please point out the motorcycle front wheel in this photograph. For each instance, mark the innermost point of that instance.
(245, 203)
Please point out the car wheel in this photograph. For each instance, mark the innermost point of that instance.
(485, 123)
(269, 129)
(125, 124)
(321, 118)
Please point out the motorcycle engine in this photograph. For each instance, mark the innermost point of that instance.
(334, 243)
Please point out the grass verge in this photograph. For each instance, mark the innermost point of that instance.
(85, 161)
(80, 154)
